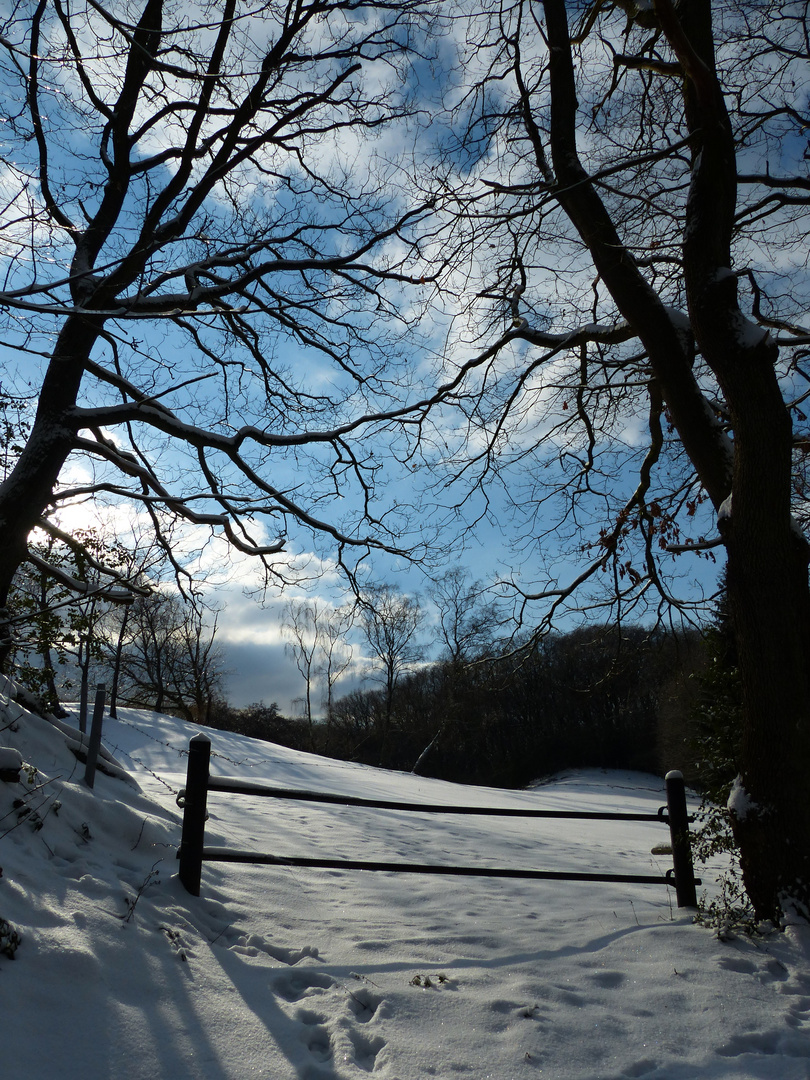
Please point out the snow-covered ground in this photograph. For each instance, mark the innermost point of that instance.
(292, 974)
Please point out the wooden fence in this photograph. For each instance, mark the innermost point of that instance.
(193, 799)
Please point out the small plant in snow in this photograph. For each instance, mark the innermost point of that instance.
(28, 813)
(132, 901)
(9, 939)
(427, 983)
(729, 912)
(421, 980)
(175, 940)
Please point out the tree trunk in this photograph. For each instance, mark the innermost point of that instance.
(770, 606)
(28, 489)
(768, 587)
(768, 596)
(767, 579)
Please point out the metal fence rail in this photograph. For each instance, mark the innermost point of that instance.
(193, 852)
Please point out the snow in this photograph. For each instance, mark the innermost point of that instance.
(681, 321)
(305, 974)
(749, 334)
(10, 759)
(740, 803)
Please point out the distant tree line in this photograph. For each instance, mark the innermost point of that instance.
(486, 712)
(590, 698)
(595, 697)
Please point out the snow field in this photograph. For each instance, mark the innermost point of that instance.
(293, 974)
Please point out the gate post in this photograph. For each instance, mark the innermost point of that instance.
(94, 743)
(194, 813)
(681, 845)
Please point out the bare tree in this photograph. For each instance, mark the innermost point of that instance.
(466, 626)
(140, 563)
(145, 644)
(336, 653)
(632, 213)
(390, 622)
(170, 659)
(190, 227)
(299, 626)
(466, 621)
(316, 634)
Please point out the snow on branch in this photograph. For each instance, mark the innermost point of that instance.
(81, 550)
(83, 588)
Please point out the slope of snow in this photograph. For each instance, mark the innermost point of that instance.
(291, 974)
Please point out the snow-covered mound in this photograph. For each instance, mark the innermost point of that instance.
(319, 975)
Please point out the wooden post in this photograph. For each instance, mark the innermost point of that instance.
(94, 745)
(194, 813)
(83, 704)
(681, 844)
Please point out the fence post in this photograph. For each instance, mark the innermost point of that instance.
(681, 845)
(194, 813)
(83, 704)
(94, 743)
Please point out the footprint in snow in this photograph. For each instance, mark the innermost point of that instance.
(640, 1068)
(737, 963)
(609, 979)
(363, 1004)
(293, 987)
(315, 1035)
(798, 1013)
(774, 971)
(253, 944)
(366, 1050)
(226, 936)
(787, 1044)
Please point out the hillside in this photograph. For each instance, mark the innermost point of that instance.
(292, 974)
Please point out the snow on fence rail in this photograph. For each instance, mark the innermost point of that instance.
(193, 799)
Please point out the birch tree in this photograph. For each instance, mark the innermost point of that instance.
(316, 636)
